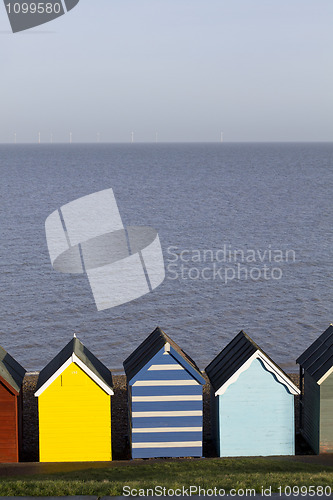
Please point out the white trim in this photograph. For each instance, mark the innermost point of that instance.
(324, 377)
(147, 430)
(165, 367)
(166, 348)
(74, 359)
(54, 377)
(92, 375)
(152, 399)
(282, 378)
(152, 383)
(145, 414)
(168, 444)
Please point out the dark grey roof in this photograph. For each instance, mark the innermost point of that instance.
(148, 348)
(231, 358)
(76, 347)
(11, 371)
(318, 358)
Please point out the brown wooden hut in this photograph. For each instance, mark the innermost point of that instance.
(11, 378)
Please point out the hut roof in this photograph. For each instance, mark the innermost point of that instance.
(317, 360)
(151, 346)
(75, 351)
(11, 371)
(233, 357)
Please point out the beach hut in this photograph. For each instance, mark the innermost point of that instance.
(316, 375)
(11, 379)
(165, 400)
(74, 407)
(252, 402)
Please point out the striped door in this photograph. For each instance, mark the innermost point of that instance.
(166, 410)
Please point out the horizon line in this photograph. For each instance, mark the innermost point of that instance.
(55, 143)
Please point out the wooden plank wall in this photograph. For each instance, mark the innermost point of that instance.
(256, 415)
(74, 419)
(326, 415)
(311, 412)
(166, 410)
(8, 426)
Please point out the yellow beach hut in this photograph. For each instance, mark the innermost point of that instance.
(74, 407)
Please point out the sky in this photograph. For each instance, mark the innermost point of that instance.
(171, 71)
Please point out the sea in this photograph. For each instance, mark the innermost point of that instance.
(246, 235)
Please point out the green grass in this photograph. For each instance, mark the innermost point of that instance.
(220, 473)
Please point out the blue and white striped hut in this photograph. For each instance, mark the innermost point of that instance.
(165, 400)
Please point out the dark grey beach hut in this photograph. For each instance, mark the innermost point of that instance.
(316, 375)
(165, 400)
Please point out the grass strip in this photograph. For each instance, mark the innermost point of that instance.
(227, 474)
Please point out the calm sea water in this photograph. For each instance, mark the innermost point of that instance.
(205, 200)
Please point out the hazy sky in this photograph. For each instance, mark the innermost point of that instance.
(258, 70)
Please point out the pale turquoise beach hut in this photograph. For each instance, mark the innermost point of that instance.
(252, 402)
